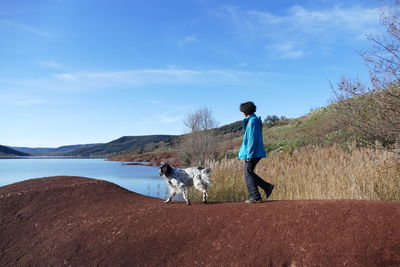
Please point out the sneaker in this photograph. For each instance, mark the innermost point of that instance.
(252, 200)
(268, 191)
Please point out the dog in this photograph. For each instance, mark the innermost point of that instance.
(179, 180)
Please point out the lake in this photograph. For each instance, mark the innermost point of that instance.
(144, 180)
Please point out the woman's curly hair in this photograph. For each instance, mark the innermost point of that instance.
(248, 108)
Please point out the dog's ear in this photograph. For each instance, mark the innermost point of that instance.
(206, 171)
(165, 169)
(161, 168)
(169, 170)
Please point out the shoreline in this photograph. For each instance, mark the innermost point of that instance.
(139, 164)
(152, 159)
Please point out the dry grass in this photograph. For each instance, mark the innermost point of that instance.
(314, 173)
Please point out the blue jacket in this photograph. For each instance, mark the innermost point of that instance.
(252, 145)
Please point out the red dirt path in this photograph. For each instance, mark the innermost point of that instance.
(75, 221)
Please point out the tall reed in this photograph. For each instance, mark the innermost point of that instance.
(314, 172)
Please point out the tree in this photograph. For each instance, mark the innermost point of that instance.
(373, 111)
(199, 144)
(272, 120)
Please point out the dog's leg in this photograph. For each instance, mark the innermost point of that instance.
(203, 189)
(205, 196)
(171, 196)
(185, 195)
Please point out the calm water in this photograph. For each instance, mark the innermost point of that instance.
(141, 179)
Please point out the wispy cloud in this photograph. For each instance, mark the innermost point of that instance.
(187, 40)
(125, 79)
(291, 35)
(356, 20)
(286, 50)
(145, 77)
(63, 84)
(25, 27)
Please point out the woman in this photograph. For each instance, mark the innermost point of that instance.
(252, 150)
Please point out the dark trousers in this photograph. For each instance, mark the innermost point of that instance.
(253, 180)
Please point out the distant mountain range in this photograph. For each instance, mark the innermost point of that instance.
(122, 145)
(131, 143)
(48, 151)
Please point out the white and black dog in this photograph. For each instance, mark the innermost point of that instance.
(179, 180)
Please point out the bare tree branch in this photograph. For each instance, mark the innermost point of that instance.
(200, 143)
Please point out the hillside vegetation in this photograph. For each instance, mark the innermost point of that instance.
(319, 127)
(126, 144)
(123, 145)
(49, 151)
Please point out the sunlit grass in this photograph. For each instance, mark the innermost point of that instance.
(314, 172)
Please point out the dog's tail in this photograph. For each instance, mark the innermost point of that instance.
(206, 176)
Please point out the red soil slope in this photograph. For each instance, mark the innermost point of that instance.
(75, 221)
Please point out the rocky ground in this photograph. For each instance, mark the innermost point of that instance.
(75, 221)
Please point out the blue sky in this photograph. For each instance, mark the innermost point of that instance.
(80, 71)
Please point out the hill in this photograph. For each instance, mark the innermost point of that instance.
(49, 151)
(85, 222)
(317, 127)
(137, 144)
(125, 144)
(168, 150)
(7, 151)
